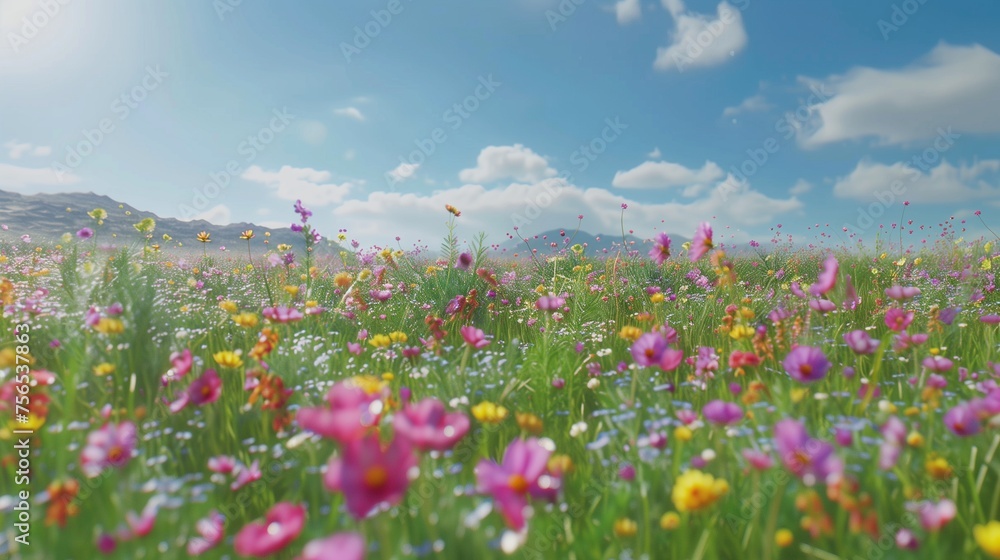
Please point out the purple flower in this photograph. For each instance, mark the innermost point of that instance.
(722, 412)
(85, 233)
(938, 364)
(822, 305)
(860, 342)
(962, 420)
(807, 458)
(302, 211)
(702, 241)
(758, 459)
(898, 319)
(806, 364)
(902, 293)
(464, 261)
(661, 248)
(948, 314)
(550, 303)
(827, 278)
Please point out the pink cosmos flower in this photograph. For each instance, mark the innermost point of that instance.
(282, 314)
(210, 531)
(758, 459)
(739, 359)
(898, 319)
(522, 472)
(938, 364)
(652, 349)
(962, 420)
(803, 455)
(894, 438)
(474, 337)
(223, 464)
(903, 341)
(661, 248)
(351, 413)
(245, 475)
(180, 365)
(934, 516)
(859, 341)
(806, 364)
(851, 299)
(827, 278)
(687, 416)
(427, 426)
(701, 243)
(722, 412)
(369, 474)
(901, 293)
(280, 527)
(822, 305)
(797, 290)
(550, 303)
(110, 446)
(341, 546)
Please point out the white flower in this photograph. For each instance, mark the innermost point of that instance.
(577, 429)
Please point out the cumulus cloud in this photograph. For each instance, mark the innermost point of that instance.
(655, 154)
(350, 112)
(312, 186)
(664, 174)
(944, 183)
(29, 180)
(16, 150)
(402, 172)
(800, 187)
(748, 105)
(952, 86)
(699, 40)
(515, 162)
(219, 215)
(627, 11)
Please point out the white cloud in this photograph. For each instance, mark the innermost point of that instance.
(351, 112)
(350, 154)
(403, 172)
(699, 40)
(627, 11)
(293, 183)
(29, 180)
(16, 150)
(547, 204)
(944, 183)
(952, 86)
(749, 105)
(40, 151)
(800, 187)
(665, 174)
(507, 162)
(219, 215)
(312, 132)
(655, 154)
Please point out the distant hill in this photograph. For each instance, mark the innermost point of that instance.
(594, 245)
(49, 216)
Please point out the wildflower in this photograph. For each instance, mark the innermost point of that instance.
(227, 358)
(369, 473)
(353, 407)
(343, 279)
(206, 389)
(110, 446)
(282, 314)
(529, 422)
(464, 261)
(938, 364)
(860, 342)
(670, 521)
(474, 337)
(906, 540)
(302, 211)
(702, 242)
(61, 505)
(280, 527)
(695, 491)
(827, 278)
(398, 337)
(103, 369)
(962, 420)
(651, 349)
(246, 320)
(454, 211)
(551, 303)
(489, 413)
(109, 325)
(522, 472)
(988, 538)
(204, 237)
(722, 413)
(343, 546)
(804, 456)
(758, 459)
(661, 248)
(146, 225)
(683, 433)
(901, 293)
(428, 427)
(210, 534)
(247, 235)
(934, 516)
(624, 528)
(380, 341)
(897, 319)
(783, 538)
(806, 364)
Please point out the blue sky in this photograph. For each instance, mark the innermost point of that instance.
(521, 112)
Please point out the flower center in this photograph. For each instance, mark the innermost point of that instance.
(801, 458)
(376, 476)
(806, 369)
(517, 483)
(115, 454)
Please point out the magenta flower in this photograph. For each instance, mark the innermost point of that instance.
(342, 546)
(903, 341)
(550, 303)
(112, 445)
(211, 532)
(851, 299)
(180, 365)
(822, 305)
(245, 475)
(280, 527)
(206, 389)
(464, 261)
(806, 364)
(522, 472)
(722, 412)
(797, 290)
(859, 341)
(902, 293)
(906, 540)
(893, 440)
(302, 211)
(85, 233)
(898, 319)
(991, 319)
(827, 278)
(282, 314)
(758, 459)
(962, 420)
(934, 516)
(938, 364)
(223, 464)
(474, 337)
(428, 427)
(369, 474)
(350, 413)
(804, 456)
(661, 248)
(702, 242)
(652, 349)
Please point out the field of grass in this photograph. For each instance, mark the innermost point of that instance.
(707, 409)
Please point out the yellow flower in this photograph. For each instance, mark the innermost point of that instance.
(988, 538)
(204, 236)
(311, 303)
(365, 274)
(98, 214)
(109, 325)
(939, 468)
(431, 270)
(560, 464)
(292, 290)
(35, 422)
(987, 264)
(683, 433)
(228, 306)
(246, 320)
(670, 521)
(625, 528)
(388, 376)
(247, 235)
(145, 225)
(695, 491)
(398, 336)
(104, 369)
(380, 341)
(367, 383)
(630, 333)
(227, 358)
(529, 422)
(741, 332)
(747, 313)
(342, 279)
(915, 439)
(798, 394)
(783, 538)
(656, 298)
(489, 413)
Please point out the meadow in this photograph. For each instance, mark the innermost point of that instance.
(658, 401)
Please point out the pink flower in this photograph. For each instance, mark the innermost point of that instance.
(245, 475)
(962, 420)
(474, 337)
(354, 348)
(661, 248)
(934, 516)
(351, 413)
(464, 261)
(897, 319)
(180, 365)
(990, 319)
(901, 293)
(522, 472)
(110, 446)
(758, 459)
(211, 533)
(550, 303)
(906, 540)
(369, 474)
(722, 412)
(851, 299)
(822, 305)
(797, 290)
(342, 546)
(280, 527)
(427, 426)
(803, 455)
(739, 359)
(938, 364)
(702, 242)
(827, 278)
(651, 349)
(806, 364)
(282, 314)
(222, 464)
(206, 389)
(860, 342)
